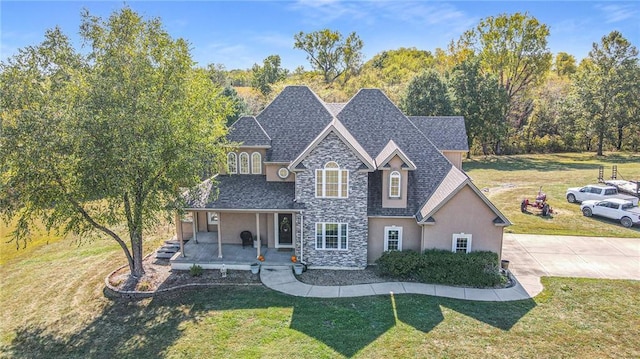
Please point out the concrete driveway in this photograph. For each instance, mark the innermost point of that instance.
(570, 256)
(533, 256)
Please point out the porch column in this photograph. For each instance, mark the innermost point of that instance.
(219, 235)
(258, 234)
(179, 229)
(194, 220)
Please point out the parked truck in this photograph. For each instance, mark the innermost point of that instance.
(614, 208)
(597, 193)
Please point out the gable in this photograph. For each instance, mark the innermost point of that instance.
(455, 182)
(335, 128)
(392, 151)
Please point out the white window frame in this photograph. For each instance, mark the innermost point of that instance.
(256, 163)
(454, 241)
(283, 172)
(212, 218)
(393, 175)
(343, 181)
(387, 230)
(343, 236)
(232, 163)
(244, 169)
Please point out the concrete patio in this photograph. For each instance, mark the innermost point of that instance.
(205, 254)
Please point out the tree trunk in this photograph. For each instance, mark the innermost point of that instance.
(600, 143)
(619, 142)
(136, 250)
(134, 222)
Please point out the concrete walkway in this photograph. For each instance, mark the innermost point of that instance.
(530, 256)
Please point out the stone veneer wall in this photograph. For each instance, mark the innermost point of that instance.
(351, 210)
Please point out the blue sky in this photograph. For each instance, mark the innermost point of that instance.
(238, 34)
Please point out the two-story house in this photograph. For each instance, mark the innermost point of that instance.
(340, 183)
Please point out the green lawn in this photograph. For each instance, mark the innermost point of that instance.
(509, 179)
(52, 305)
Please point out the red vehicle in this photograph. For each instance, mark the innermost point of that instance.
(540, 203)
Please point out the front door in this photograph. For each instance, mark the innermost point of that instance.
(285, 230)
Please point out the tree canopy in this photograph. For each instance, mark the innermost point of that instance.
(269, 73)
(90, 142)
(427, 95)
(331, 54)
(606, 83)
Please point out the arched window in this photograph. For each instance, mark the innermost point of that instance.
(394, 184)
(256, 163)
(244, 163)
(232, 163)
(331, 181)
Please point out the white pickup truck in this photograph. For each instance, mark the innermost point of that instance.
(597, 192)
(614, 208)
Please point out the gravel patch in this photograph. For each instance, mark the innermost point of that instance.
(342, 277)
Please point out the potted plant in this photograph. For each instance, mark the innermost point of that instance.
(255, 268)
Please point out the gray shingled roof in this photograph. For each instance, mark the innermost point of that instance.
(374, 120)
(247, 132)
(293, 120)
(247, 192)
(446, 132)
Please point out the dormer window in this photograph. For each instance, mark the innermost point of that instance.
(256, 163)
(232, 163)
(244, 163)
(394, 184)
(332, 182)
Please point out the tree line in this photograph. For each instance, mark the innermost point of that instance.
(515, 95)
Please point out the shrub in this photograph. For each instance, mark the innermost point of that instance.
(475, 269)
(398, 264)
(195, 270)
(143, 286)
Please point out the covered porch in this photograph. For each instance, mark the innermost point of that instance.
(206, 253)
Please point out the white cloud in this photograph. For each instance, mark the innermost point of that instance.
(618, 12)
(275, 40)
(383, 12)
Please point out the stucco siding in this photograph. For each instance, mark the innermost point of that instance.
(455, 157)
(232, 224)
(272, 173)
(464, 213)
(389, 202)
(411, 234)
(351, 210)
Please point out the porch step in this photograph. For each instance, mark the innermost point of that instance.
(173, 242)
(166, 255)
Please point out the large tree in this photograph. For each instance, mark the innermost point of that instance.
(481, 100)
(514, 49)
(269, 73)
(89, 143)
(604, 83)
(427, 95)
(330, 53)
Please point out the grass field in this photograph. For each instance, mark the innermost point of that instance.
(509, 179)
(53, 307)
(52, 304)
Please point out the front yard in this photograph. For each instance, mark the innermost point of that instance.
(53, 304)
